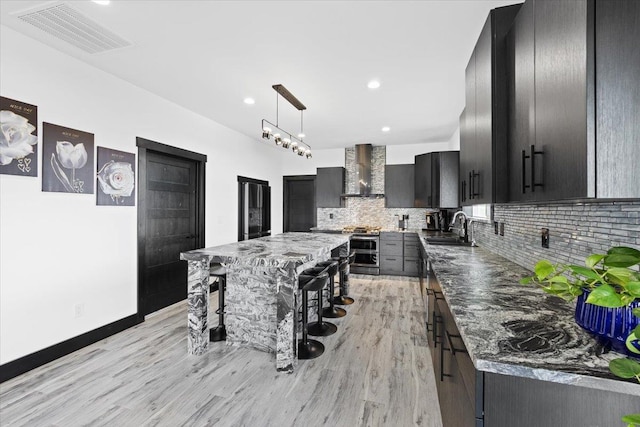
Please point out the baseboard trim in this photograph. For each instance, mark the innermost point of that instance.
(24, 364)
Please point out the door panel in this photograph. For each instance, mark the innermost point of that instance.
(170, 216)
(300, 203)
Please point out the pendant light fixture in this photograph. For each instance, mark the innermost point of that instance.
(282, 137)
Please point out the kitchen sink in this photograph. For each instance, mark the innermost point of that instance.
(447, 241)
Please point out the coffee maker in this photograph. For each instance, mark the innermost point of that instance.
(433, 221)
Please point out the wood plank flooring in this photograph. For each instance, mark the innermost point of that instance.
(376, 371)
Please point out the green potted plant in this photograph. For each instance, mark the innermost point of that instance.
(607, 289)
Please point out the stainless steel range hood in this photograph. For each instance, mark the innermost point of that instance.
(362, 171)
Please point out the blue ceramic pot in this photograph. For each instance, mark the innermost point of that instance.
(610, 326)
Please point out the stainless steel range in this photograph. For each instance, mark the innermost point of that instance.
(365, 242)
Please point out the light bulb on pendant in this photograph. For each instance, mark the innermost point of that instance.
(308, 153)
(301, 135)
(266, 132)
(277, 138)
(286, 142)
(294, 146)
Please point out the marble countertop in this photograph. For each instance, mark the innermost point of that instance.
(514, 329)
(283, 250)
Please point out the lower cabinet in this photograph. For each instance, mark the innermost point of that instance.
(399, 254)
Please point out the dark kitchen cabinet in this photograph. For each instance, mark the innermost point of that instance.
(458, 383)
(399, 254)
(330, 187)
(399, 186)
(436, 179)
(423, 196)
(617, 93)
(574, 122)
(483, 124)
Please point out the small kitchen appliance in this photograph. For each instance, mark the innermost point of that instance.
(432, 220)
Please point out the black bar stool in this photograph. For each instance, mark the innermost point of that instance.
(219, 333)
(320, 328)
(332, 311)
(343, 299)
(309, 349)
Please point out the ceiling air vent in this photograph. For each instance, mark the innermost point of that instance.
(73, 27)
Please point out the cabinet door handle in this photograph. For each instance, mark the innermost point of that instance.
(435, 320)
(533, 167)
(475, 174)
(452, 348)
(524, 161)
(470, 185)
(463, 187)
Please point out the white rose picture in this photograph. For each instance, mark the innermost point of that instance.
(67, 160)
(115, 177)
(18, 138)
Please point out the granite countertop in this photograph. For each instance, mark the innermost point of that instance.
(514, 329)
(283, 250)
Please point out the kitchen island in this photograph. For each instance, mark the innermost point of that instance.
(262, 290)
(503, 345)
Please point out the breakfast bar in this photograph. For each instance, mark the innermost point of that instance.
(261, 291)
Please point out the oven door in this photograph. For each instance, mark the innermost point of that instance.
(364, 243)
(366, 254)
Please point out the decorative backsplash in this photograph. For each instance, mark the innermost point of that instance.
(576, 230)
(369, 211)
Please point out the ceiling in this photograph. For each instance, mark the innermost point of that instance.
(207, 56)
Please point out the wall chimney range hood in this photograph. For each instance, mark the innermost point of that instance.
(362, 171)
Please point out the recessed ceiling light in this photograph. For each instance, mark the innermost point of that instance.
(386, 129)
(249, 101)
(102, 2)
(373, 84)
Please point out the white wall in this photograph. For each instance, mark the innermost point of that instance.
(58, 250)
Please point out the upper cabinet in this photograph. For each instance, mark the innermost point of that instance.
(483, 124)
(399, 186)
(573, 100)
(330, 187)
(436, 180)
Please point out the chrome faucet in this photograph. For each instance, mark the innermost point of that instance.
(464, 224)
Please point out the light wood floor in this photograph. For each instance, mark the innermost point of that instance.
(376, 371)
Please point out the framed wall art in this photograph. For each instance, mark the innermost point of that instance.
(19, 138)
(115, 178)
(67, 160)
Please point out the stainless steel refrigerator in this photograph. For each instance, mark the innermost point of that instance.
(254, 210)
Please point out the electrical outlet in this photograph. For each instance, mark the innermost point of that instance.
(330, 216)
(544, 232)
(79, 310)
(502, 228)
(495, 227)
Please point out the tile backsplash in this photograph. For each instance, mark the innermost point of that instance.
(368, 211)
(576, 230)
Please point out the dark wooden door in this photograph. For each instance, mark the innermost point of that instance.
(171, 228)
(170, 221)
(299, 203)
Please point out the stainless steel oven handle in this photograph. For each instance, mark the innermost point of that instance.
(364, 238)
